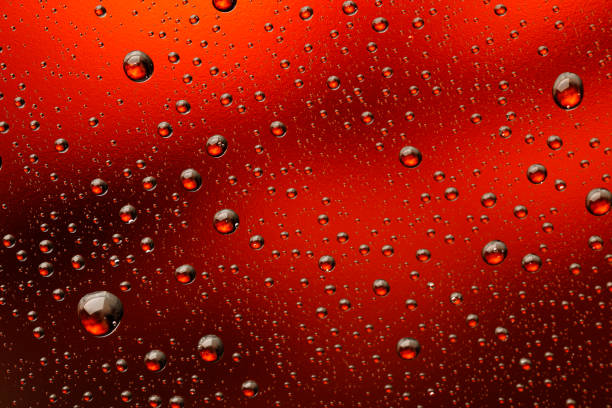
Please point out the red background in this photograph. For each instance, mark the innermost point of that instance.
(70, 61)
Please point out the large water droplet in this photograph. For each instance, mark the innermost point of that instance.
(100, 313)
(210, 348)
(408, 348)
(138, 66)
(494, 252)
(568, 91)
(598, 201)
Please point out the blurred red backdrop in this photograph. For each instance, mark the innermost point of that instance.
(421, 87)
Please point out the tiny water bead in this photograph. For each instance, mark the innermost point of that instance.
(410, 156)
(598, 201)
(494, 252)
(155, 360)
(138, 66)
(100, 313)
(536, 173)
(226, 221)
(191, 180)
(210, 348)
(408, 348)
(568, 91)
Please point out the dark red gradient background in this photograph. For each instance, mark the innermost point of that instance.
(70, 61)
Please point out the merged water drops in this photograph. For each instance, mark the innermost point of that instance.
(210, 348)
(138, 66)
(568, 91)
(100, 313)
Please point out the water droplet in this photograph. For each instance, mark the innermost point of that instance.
(536, 173)
(598, 201)
(381, 287)
(250, 388)
(408, 348)
(410, 156)
(216, 146)
(306, 13)
(100, 11)
(155, 360)
(100, 313)
(456, 298)
(185, 274)
(278, 129)
(138, 66)
(210, 348)
(327, 263)
(501, 333)
(500, 10)
(380, 24)
(191, 180)
(568, 91)
(349, 7)
(224, 6)
(531, 263)
(494, 252)
(128, 214)
(488, 200)
(256, 242)
(99, 187)
(226, 221)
